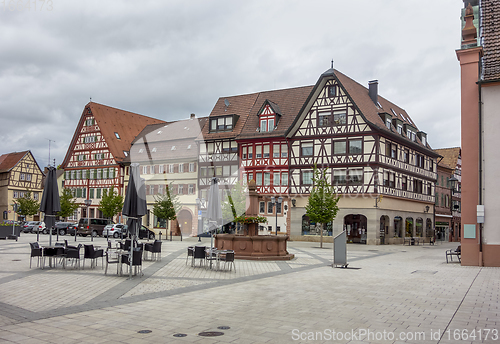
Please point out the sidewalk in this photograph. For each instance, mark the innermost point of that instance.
(403, 294)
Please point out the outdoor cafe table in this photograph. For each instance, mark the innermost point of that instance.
(52, 251)
(216, 255)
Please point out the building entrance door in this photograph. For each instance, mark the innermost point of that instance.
(185, 222)
(355, 226)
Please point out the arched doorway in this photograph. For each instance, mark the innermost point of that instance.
(384, 228)
(398, 227)
(355, 226)
(185, 221)
(409, 227)
(429, 233)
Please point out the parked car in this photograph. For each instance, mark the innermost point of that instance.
(114, 230)
(144, 232)
(62, 228)
(41, 228)
(28, 226)
(95, 228)
(72, 229)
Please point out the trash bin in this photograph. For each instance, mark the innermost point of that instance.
(412, 241)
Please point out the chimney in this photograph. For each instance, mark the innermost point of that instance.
(193, 116)
(373, 91)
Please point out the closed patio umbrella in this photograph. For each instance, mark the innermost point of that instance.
(214, 208)
(134, 206)
(50, 204)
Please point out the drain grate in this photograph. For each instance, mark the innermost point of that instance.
(180, 335)
(144, 331)
(210, 334)
(223, 327)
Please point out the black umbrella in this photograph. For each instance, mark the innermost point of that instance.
(50, 204)
(134, 206)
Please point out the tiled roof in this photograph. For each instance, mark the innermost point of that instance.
(9, 160)
(490, 13)
(240, 105)
(450, 156)
(110, 121)
(289, 102)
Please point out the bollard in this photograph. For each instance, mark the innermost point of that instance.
(170, 235)
(159, 235)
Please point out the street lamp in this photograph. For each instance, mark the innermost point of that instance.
(275, 204)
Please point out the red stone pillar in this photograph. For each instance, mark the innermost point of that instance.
(252, 203)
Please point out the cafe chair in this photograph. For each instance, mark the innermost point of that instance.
(111, 259)
(199, 253)
(228, 258)
(136, 259)
(190, 253)
(73, 253)
(154, 248)
(211, 256)
(91, 253)
(36, 251)
(69, 246)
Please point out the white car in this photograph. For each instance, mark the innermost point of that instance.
(113, 230)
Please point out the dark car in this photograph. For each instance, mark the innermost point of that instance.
(72, 229)
(144, 232)
(29, 226)
(95, 228)
(62, 228)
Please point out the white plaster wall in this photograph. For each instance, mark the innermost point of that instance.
(491, 160)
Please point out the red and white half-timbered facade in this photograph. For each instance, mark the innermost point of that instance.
(94, 160)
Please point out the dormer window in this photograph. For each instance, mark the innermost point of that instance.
(266, 125)
(223, 123)
(400, 129)
(117, 135)
(388, 123)
(268, 116)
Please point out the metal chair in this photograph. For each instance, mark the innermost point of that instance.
(91, 253)
(111, 259)
(154, 248)
(136, 259)
(73, 253)
(199, 253)
(190, 253)
(36, 251)
(228, 257)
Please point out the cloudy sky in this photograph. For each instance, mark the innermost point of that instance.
(167, 59)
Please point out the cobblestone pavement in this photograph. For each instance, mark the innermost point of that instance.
(389, 294)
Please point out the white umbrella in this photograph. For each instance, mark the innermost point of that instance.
(214, 208)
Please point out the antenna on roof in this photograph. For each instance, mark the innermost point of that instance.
(91, 99)
(226, 102)
(332, 63)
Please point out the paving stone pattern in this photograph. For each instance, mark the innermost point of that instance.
(407, 291)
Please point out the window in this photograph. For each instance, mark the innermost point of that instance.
(339, 117)
(226, 170)
(221, 123)
(386, 178)
(431, 165)
(191, 189)
(92, 174)
(181, 189)
(266, 124)
(423, 140)
(323, 120)
(244, 153)
(99, 156)
(234, 147)
(258, 152)
(73, 174)
(332, 91)
(417, 186)
(78, 192)
(307, 177)
(267, 178)
(191, 167)
(419, 160)
(407, 156)
(339, 177)
(79, 174)
(270, 124)
(307, 149)
(250, 154)
(28, 177)
(356, 176)
(284, 178)
(161, 168)
(218, 170)
(89, 122)
(36, 196)
(22, 176)
(258, 177)
(98, 193)
(99, 173)
(388, 123)
(355, 146)
(404, 183)
(276, 178)
(269, 207)
(394, 151)
(400, 129)
(104, 173)
(276, 151)
(284, 150)
(210, 148)
(90, 139)
(339, 147)
(91, 193)
(392, 182)
(160, 189)
(429, 188)
(181, 168)
(84, 174)
(262, 207)
(266, 151)
(171, 168)
(16, 194)
(263, 126)
(81, 157)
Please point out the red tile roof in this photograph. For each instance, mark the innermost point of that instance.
(490, 13)
(450, 156)
(9, 160)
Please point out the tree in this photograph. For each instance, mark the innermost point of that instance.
(68, 205)
(111, 203)
(27, 206)
(322, 204)
(166, 206)
(235, 203)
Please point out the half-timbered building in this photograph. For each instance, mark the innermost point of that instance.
(19, 173)
(95, 157)
(168, 158)
(263, 151)
(372, 152)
